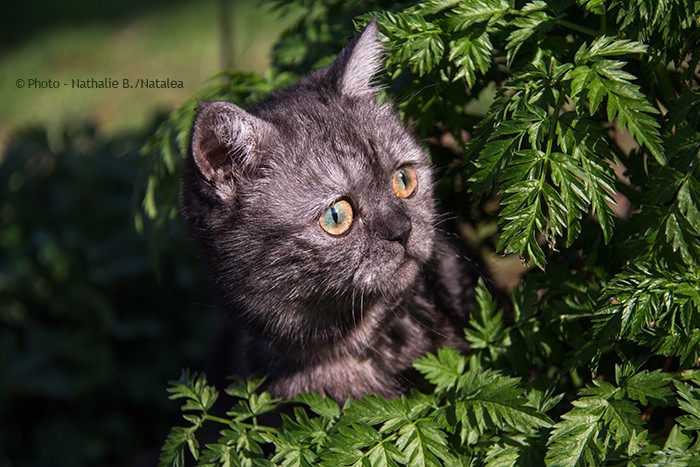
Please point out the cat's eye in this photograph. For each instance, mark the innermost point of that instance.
(404, 182)
(337, 219)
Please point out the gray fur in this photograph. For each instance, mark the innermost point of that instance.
(346, 315)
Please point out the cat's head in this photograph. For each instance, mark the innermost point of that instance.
(313, 203)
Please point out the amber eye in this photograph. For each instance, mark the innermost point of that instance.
(404, 182)
(337, 219)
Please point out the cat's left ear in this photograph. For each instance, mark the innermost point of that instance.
(359, 62)
(225, 141)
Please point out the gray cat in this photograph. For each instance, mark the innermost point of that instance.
(315, 216)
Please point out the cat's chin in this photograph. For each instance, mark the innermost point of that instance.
(408, 269)
(403, 277)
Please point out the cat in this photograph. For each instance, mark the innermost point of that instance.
(314, 213)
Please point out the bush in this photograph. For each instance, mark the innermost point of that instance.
(88, 334)
(582, 120)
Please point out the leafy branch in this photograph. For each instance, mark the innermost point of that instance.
(474, 414)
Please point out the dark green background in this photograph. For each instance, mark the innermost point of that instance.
(92, 324)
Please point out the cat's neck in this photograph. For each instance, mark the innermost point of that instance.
(372, 356)
(334, 328)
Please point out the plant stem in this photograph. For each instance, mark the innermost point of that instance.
(604, 23)
(266, 429)
(577, 27)
(214, 418)
(255, 426)
(664, 81)
(553, 122)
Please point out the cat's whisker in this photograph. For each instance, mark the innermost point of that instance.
(352, 308)
(425, 326)
(442, 218)
(362, 306)
(407, 382)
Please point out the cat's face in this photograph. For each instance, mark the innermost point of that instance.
(347, 199)
(312, 201)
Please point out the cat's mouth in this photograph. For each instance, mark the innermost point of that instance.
(407, 263)
(405, 273)
(389, 268)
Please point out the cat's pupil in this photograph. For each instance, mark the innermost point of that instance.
(404, 181)
(337, 219)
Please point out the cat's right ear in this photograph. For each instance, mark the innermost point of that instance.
(224, 143)
(359, 62)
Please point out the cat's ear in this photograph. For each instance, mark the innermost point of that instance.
(359, 62)
(224, 142)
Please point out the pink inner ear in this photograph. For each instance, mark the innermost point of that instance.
(209, 152)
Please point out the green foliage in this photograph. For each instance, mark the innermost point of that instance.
(567, 133)
(474, 416)
(88, 333)
(468, 411)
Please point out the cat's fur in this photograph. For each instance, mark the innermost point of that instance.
(344, 316)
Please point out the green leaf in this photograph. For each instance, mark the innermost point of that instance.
(442, 369)
(423, 444)
(466, 15)
(390, 414)
(657, 305)
(471, 53)
(487, 401)
(194, 389)
(600, 420)
(574, 440)
(304, 430)
(688, 197)
(594, 6)
(568, 178)
(322, 406)
(689, 402)
(361, 444)
(534, 20)
(682, 236)
(385, 454)
(608, 46)
(522, 218)
(647, 386)
(677, 440)
(221, 454)
(624, 420)
(295, 457)
(599, 186)
(681, 227)
(633, 114)
(414, 40)
(517, 451)
(486, 330)
(625, 101)
(252, 403)
(490, 162)
(179, 441)
(244, 388)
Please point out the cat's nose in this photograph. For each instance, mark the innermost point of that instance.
(395, 227)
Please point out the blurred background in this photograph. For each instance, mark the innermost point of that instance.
(92, 325)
